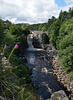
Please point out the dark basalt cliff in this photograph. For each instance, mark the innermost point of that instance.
(40, 39)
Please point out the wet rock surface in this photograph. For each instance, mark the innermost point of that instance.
(42, 74)
(42, 70)
(39, 39)
(60, 95)
(62, 76)
(1, 98)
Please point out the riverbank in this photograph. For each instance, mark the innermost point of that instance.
(61, 75)
(15, 82)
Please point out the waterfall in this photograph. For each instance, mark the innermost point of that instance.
(30, 45)
(29, 41)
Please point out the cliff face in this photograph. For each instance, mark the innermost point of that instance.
(40, 39)
(62, 76)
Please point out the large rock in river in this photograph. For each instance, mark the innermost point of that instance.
(59, 95)
(1, 98)
(40, 39)
(44, 38)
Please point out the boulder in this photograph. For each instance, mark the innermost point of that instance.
(59, 95)
(1, 98)
(36, 43)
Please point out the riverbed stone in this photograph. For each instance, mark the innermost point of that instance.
(59, 95)
(1, 98)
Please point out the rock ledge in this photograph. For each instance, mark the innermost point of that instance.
(62, 76)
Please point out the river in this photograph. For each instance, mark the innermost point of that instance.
(42, 71)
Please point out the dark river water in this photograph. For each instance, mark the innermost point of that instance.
(42, 71)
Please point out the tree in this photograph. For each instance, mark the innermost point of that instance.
(2, 34)
(71, 11)
(67, 40)
(63, 15)
(7, 24)
(54, 31)
(66, 56)
(50, 21)
(13, 29)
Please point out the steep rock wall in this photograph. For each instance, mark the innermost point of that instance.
(62, 76)
(40, 39)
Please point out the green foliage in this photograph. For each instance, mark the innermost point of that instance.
(1, 31)
(71, 12)
(65, 44)
(66, 56)
(19, 69)
(54, 31)
(71, 75)
(50, 21)
(63, 15)
(66, 28)
(67, 40)
(21, 95)
(13, 29)
(7, 24)
(15, 76)
(24, 26)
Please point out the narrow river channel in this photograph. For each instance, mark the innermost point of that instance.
(42, 71)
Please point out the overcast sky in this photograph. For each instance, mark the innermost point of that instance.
(32, 11)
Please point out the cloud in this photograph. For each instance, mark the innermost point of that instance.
(69, 5)
(68, 1)
(32, 11)
(29, 11)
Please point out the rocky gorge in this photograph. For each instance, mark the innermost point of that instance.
(61, 75)
(47, 71)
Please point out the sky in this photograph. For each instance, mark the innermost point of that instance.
(32, 11)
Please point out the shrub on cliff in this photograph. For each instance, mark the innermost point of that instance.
(66, 56)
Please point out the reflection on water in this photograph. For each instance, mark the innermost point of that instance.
(31, 60)
(42, 74)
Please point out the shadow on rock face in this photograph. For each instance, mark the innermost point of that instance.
(36, 43)
(45, 38)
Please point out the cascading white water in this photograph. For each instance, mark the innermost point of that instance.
(29, 41)
(30, 45)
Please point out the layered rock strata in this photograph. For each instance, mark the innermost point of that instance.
(62, 76)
